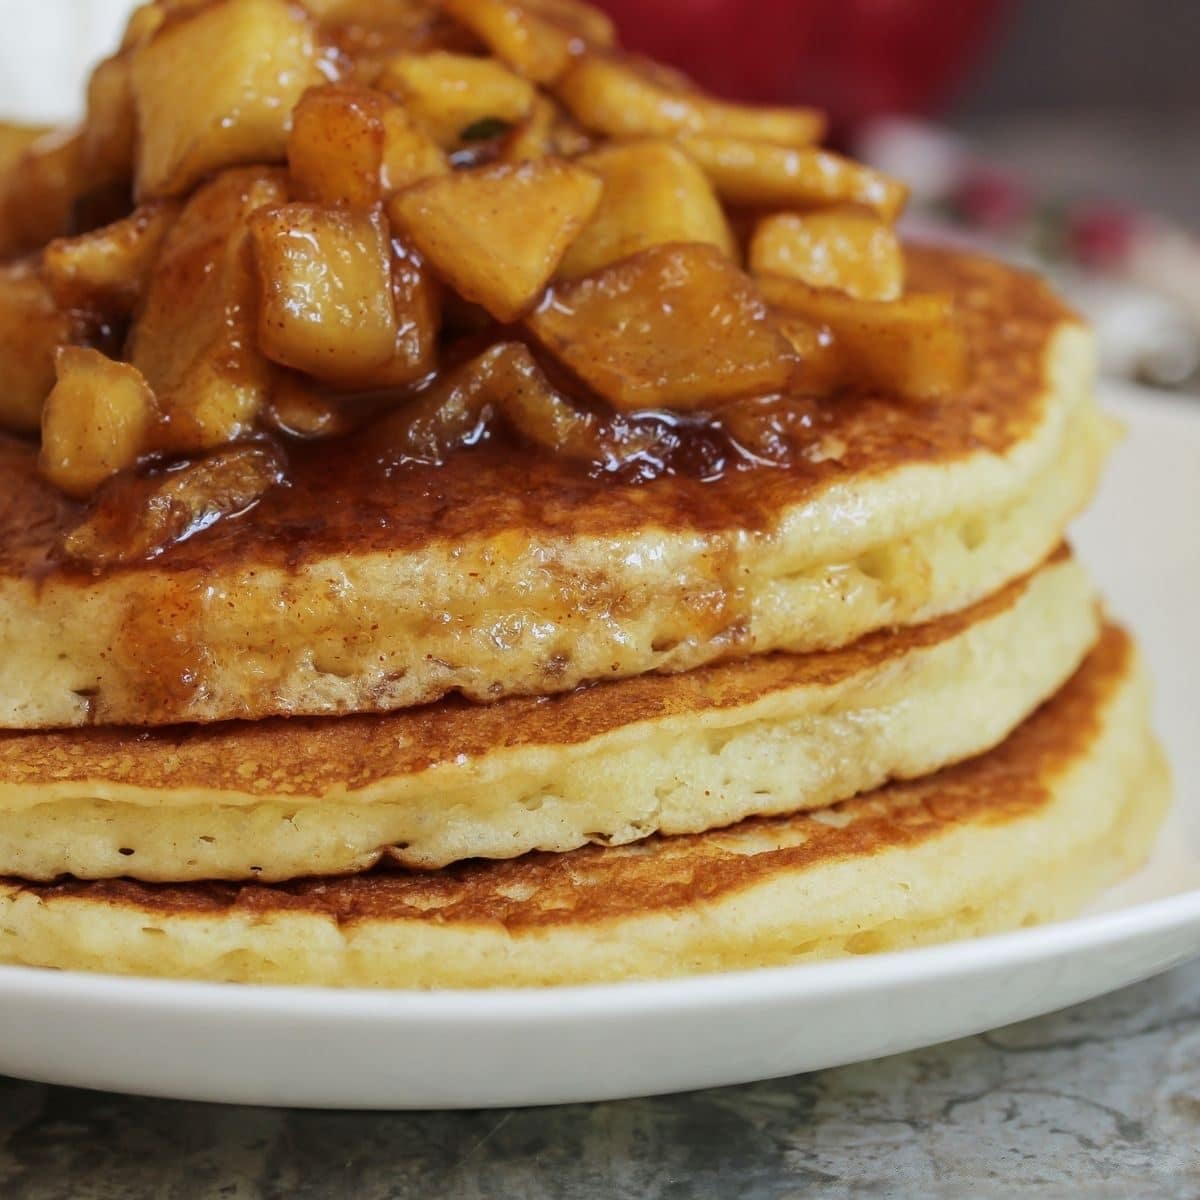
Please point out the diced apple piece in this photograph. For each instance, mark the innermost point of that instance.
(335, 150)
(534, 136)
(325, 290)
(109, 135)
(824, 369)
(448, 414)
(409, 154)
(37, 196)
(299, 409)
(675, 326)
(216, 88)
(546, 131)
(417, 299)
(504, 379)
(448, 93)
(108, 270)
(534, 46)
(497, 234)
(194, 338)
(653, 194)
(351, 144)
(14, 141)
(96, 422)
(846, 249)
(541, 414)
(615, 97)
(144, 22)
(747, 172)
(136, 517)
(912, 347)
(587, 22)
(32, 328)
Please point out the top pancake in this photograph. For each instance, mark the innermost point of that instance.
(505, 571)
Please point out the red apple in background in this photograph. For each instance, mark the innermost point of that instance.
(855, 58)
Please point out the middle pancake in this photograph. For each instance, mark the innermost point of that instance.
(275, 800)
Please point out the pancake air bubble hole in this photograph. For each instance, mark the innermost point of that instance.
(334, 671)
(973, 533)
(879, 565)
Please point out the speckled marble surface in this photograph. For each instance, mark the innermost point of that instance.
(1099, 1100)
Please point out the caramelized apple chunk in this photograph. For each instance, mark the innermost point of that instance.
(297, 409)
(452, 412)
(409, 154)
(497, 234)
(591, 25)
(215, 87)
(823, 367)
(109, 135)
(532, 45)
(32, 327)
(325, 290)
(613, 96)
(136, 517)
(846, 249)
(194, 338)
(96, 422)
(675, 326)
(912, 347)
(108, 270)
(37, 196)
(335, 149)
(546, 132)
(503, 381)
(543, 416)
(653, 194)
(448, 93)
(14, 141)
(351, 144)
(417, 301)
(756, 173)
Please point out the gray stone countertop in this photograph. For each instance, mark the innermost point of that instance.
(1100, 1100)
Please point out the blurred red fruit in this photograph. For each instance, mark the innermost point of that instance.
(1100, 235)
(992, 200)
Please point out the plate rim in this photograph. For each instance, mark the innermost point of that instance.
(635, 998)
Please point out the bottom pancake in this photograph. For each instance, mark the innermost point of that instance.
(1027, 832)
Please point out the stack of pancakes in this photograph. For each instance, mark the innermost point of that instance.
(866, 704)
(491, 718)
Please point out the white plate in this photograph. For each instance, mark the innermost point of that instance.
(448, 1050)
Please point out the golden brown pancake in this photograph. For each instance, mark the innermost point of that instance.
(279, 799)
(508, 572)
(1026, 832)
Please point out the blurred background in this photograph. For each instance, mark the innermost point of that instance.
(1060, 133)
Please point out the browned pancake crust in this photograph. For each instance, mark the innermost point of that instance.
(340, 504)
(664, 874)
(308, 757)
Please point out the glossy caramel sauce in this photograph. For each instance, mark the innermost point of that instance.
(347, 496)
(663, 874)
(310, 756)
